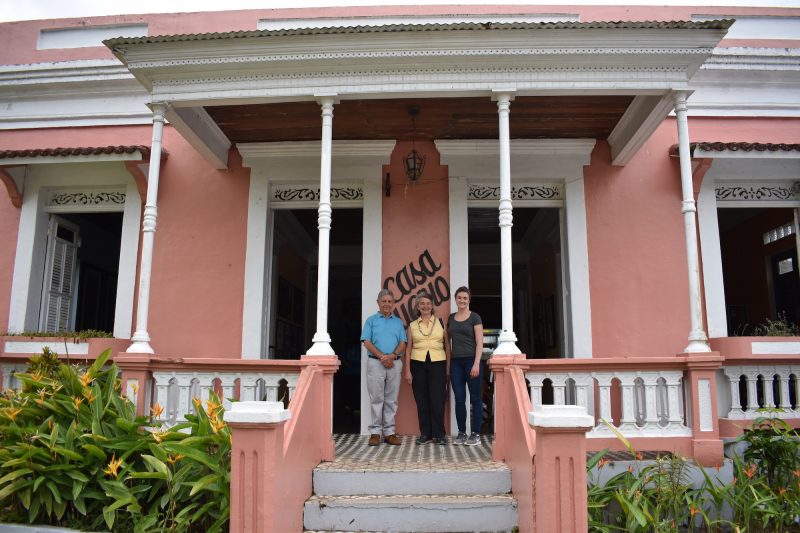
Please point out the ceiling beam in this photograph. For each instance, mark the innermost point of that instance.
(638, 123)
(200, 130)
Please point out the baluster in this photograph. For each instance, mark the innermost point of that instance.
(628, 422)
(650, 380)
(752, 393)
(768, 375)
(247, 388)
(582, 382)
(737, 409)
(674, 408)
(785, 383)
(162, 391)
(604, 396)
(536, 383)
(559, 388)
(184, 397)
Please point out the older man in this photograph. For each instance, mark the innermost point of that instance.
(384, 337)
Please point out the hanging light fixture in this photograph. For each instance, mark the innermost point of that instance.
(414, 161)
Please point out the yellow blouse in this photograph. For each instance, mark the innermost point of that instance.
(427, 339)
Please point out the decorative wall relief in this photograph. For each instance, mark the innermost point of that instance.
(773, 191)
(287, 193)
(412, 278)
(95, 198)
(524, 192)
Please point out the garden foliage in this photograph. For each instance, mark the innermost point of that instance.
(658, 497)
(73, 453)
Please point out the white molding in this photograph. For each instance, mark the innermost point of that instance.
(699, 153)
(36, 347)
(577, 276)
(459, 253)
(67, 159)
(30, 253)
(258, 259)
(711, 253)
(298, 23)
(640, 120)
(371, 274)
(252, 152)
(775, 348)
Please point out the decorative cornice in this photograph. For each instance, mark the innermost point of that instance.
(289, 193)
(304, 149)
(529, 147)
(94, 198)
(15, 76)
(552, 191)
(761, 192)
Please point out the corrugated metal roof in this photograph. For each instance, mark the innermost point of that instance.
(84, 150)
(723, 24)
(737, 147)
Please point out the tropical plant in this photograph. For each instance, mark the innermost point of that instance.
(73, 453)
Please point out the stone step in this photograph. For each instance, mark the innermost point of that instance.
(418, 513)
(354, 478)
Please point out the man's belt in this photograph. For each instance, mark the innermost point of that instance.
(378, 358)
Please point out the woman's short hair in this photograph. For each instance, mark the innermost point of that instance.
(421, 294)
(463, 288)
(385, 292)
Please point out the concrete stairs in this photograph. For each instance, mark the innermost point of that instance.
(415, 489)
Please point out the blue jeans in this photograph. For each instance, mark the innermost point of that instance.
(459, 377)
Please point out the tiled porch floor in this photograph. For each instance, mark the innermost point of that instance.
(353, 453)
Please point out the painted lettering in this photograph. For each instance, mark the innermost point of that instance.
(413, 276)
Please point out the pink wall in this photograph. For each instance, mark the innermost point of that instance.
(9, 222)
(637, 259)
(198, 260)
(415, 219)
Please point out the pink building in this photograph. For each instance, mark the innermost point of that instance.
(227, 192)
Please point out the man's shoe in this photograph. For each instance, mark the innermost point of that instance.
(394, 440)
(473, 440)
(460, 439)
(441, 441)
(374, 439)
(422, 439)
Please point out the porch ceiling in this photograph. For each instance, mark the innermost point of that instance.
(532, 117)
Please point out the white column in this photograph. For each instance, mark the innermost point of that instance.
(141, 339)
(321, 340)
(698, 341)
(507, 341)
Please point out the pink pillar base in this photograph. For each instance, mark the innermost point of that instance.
(256, 453)
(708, 452)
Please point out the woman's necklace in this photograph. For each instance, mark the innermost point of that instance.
(419, 327)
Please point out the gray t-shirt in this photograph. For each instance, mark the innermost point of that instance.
(463, 334)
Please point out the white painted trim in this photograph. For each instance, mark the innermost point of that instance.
(98, 158)
(775, 348)
(459, 253)
(34, 347)
(258, 258)
(578, 269)
(26, 284)
(128, 257)
(298, 23)
(371, 274)
(200, 130)
(711, 253)
(640, 120)
(741, 154)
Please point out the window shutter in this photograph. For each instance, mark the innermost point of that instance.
(60, 267)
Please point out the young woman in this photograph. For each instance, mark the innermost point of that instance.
(427, 361)
(465, 330)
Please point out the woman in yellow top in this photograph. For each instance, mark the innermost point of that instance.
(426, 367)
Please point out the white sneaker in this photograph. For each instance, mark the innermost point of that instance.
(473, 440)
(461, 438)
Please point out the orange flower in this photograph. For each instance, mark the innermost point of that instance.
(211, 407)
(85, 379)
(639, 456)
(216, 424)
(89, 395)
(77, 401)
(135, 387)
(157, 410)
(630, 469)
(750, 471)
(197, 403)
(172, 459)
(782, 491)
(796, 472)
(158, 435)
(693, 510)
(718, 467)
(11, 413)
(602, 462)
(113, 466)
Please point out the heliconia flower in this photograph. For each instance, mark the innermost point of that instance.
(89, 395)
(113, 466)
(157, 410)
(750, 471)
(197, 403)
(630, 469)
(639, 456)
(216, 424)
(12, 413)
(77, 401)
(158, 435)
(602, 462)
(211, 407)
(693, 510)
(85, 379)
(172, 459)
(135, 387)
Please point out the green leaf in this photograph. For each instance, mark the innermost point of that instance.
(15, 474)
(98, 364)
(12, 488)
(203, 482)
(80, 505)
(76, 475)
(109, 516)
(159, 466)
(53, 489)
(68, 453)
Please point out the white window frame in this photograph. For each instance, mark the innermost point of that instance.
(744, 169)
(75, 174)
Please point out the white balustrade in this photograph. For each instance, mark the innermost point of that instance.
(652, 401)
(176, 390)
(767, 390)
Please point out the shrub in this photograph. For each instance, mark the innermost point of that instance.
(73, 453)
